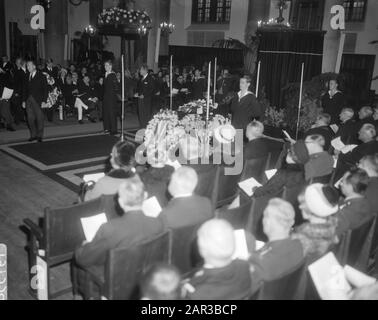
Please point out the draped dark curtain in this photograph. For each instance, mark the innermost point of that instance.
(282, 53)
(196, 56)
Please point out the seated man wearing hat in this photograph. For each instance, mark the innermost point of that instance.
(221, 277)
(355, 209)
(257, 147)
(186, 208)
(280, 255)
(318, 204)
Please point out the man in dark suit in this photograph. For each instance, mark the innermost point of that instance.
(369, 146)
(125, 231)
(20, 86)
(347, 129)
(257, 147)
(321, 127)
(50, 69)
(355, 209)
(281, 255)
(5, 112)
(36, 95)
(186, 208)
(145, 94)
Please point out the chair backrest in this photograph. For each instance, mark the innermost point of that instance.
(208, 181)
(254, 168)
(355, 246)
(291, 196)
(184, 245)
(62, 227)
(125, 266)
(238, 217)
(227, 188)
(284, 288)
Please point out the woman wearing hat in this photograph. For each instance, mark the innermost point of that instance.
(319, 204)
(123, 167)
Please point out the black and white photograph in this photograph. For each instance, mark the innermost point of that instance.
(195, 156)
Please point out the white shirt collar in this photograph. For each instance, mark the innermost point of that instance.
(187, 195)
(144, 78)
(246, 94)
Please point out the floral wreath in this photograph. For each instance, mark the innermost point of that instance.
(125, 17)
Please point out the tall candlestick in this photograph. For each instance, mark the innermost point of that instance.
(300, 100)
(215, 78)
(171, 83)
(258, 79)
(123, 96)
(208, 96)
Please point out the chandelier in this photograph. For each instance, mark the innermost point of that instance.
(167, 28)
(142, 30)
(278, 22)
(90, 30)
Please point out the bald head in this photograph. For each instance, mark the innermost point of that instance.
(216, 243)
(183, 182)
(255, 130)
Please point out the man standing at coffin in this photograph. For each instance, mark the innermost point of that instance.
(244, 106)
(145, 94)
(37, 94)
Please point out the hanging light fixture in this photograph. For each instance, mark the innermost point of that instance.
(167, 28)
(142, 30)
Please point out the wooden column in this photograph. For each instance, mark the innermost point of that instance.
(3, 38)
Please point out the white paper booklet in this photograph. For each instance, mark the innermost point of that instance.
(41, 279)
(92, 224)
(335, 128)
(349, 148)
(248, 185)
(7, 94)
(338, 144)
(241, 247)
(287, 135)
(259, 245)
(270, 173)
(329, 278)
(93, 177)
(338, 183)
(151, 207)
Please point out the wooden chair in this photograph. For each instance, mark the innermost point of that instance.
(125, 267)
(227, 188)
(61, 233)
(184, 253)
(355, 246)
(285, 288)
(239, 218)
(208, 182)
(255, 168)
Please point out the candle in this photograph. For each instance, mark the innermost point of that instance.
(300, 100)
(208, 95)
(171, 83)
(258, 79)
(123, 96)
(215, 78)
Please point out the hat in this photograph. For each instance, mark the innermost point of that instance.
(300, 152)
(321, 200)
(225, 134)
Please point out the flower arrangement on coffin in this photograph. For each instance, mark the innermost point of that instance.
(164, 131)
(197, 107)
(113, 16)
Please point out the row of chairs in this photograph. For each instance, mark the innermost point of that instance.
(60, 233)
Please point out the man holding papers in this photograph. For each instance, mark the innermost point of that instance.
(130, 228)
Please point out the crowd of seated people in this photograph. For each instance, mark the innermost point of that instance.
(327, 211)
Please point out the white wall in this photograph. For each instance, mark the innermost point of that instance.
(367, 31)
(181, 17)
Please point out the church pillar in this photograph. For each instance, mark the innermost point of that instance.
(257, 10)
(56, 28)
(3, 38)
